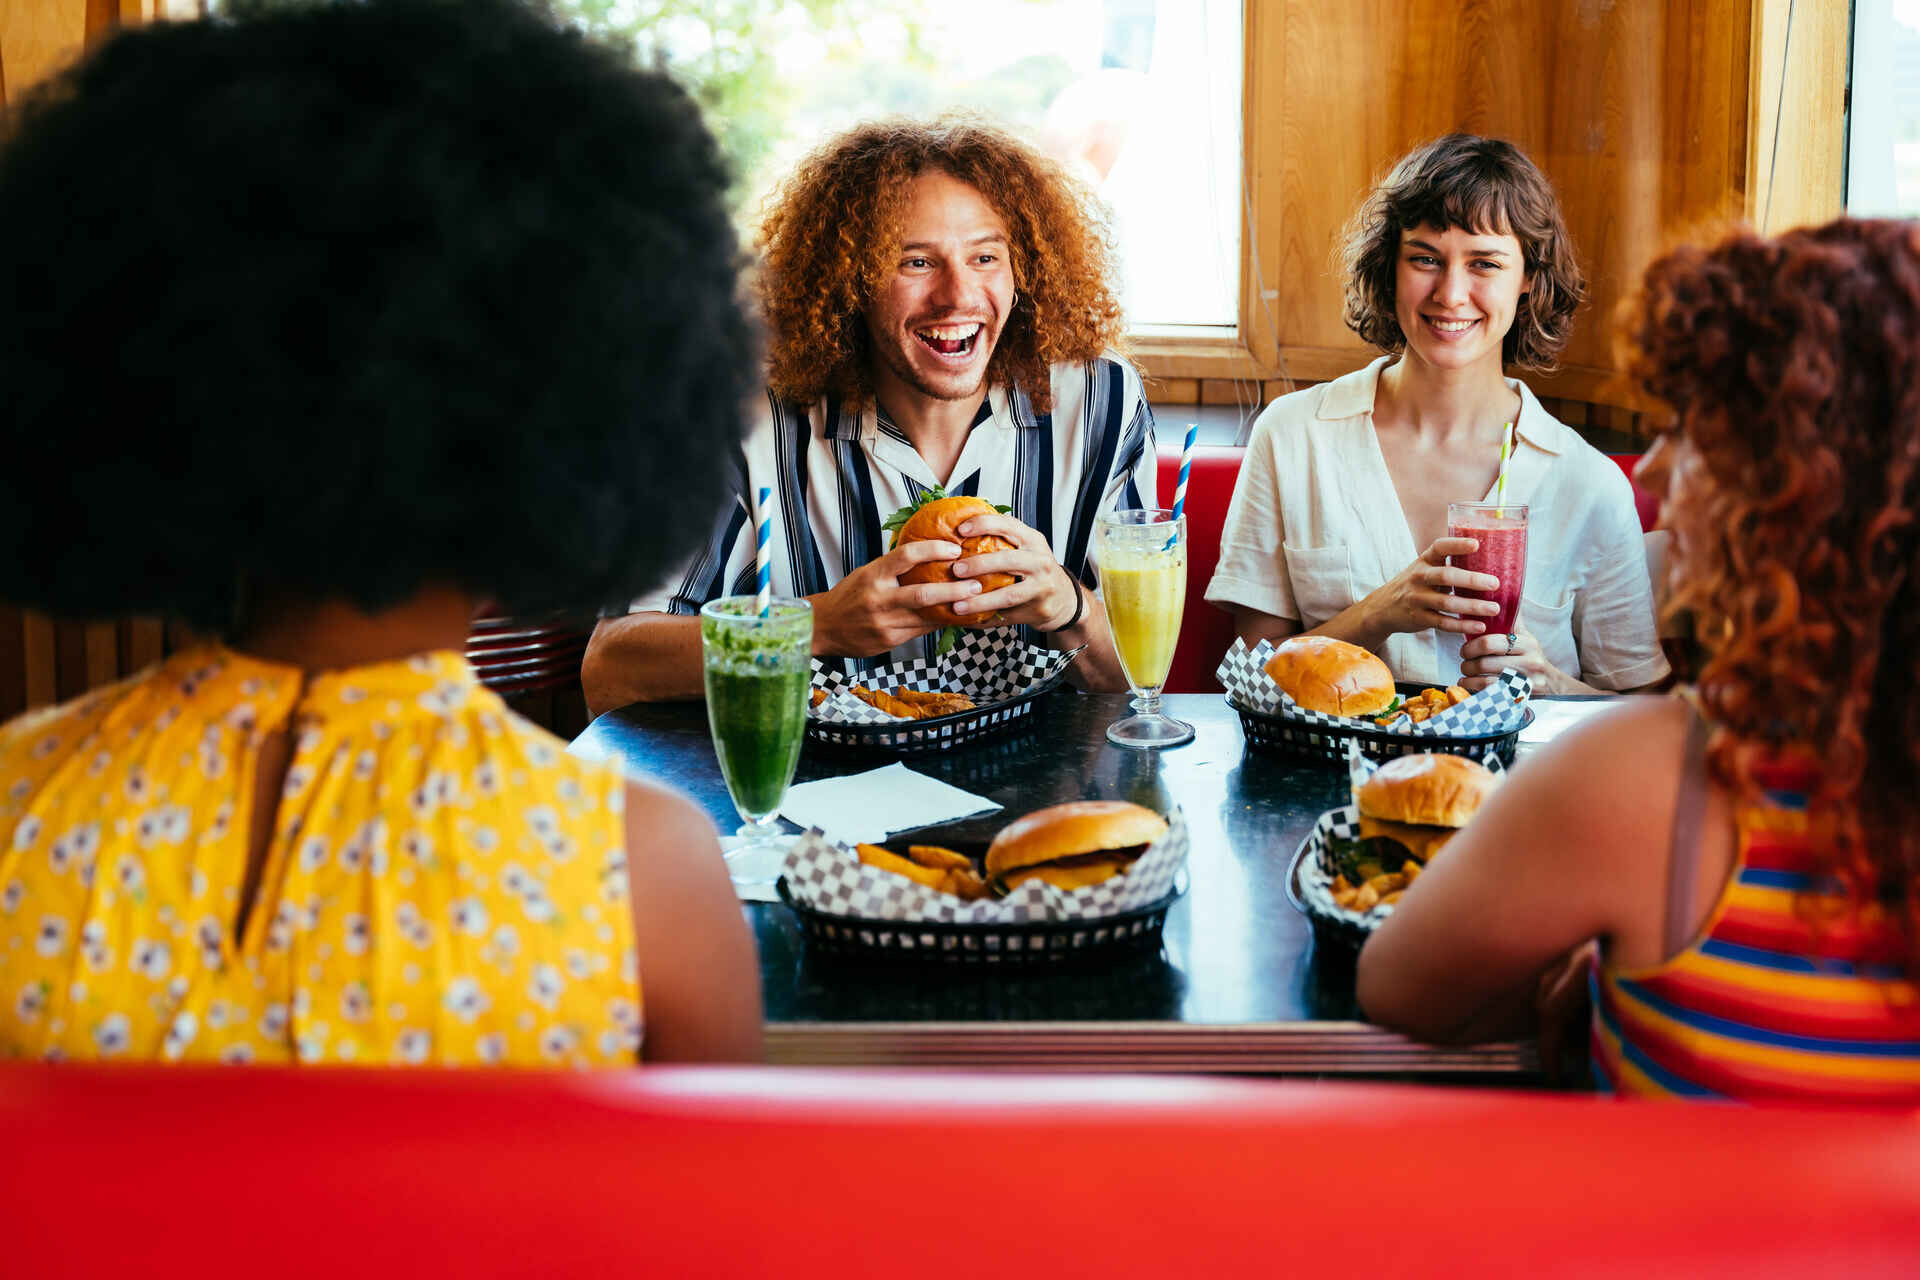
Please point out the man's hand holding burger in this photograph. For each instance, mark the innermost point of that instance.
(880, 605)
(1015, 577)
(1028, 585)
(976, 566)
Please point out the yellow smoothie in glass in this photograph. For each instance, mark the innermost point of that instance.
(1144, 592)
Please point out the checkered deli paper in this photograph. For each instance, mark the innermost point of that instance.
(830, 877)
(988, 666)
(1498, 708)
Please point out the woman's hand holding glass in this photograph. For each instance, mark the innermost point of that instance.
(1484, 657)
(1421, 597)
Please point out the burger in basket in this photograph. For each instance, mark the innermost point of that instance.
(1409, 807)
(1072, 846)
(1323, 674)
(1418, 803)
(936, 517)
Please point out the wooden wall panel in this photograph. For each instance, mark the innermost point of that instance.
(37, 37)
(13, 663)
(1795, 47)
(1654, 119)
(1629, 108)
(41, 680)
(145, 642)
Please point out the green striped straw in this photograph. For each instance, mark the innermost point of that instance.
(1506, 456)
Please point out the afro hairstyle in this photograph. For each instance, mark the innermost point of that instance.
(338, 302)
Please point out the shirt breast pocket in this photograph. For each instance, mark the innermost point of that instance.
(1322, 580)
(1552, 625)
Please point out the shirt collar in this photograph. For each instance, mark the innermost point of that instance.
(1352, 396)
(840, 421)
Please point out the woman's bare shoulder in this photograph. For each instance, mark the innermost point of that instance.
(1611, 779)
(660, 817)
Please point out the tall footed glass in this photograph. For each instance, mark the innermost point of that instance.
(757, 674)
(1142, 558)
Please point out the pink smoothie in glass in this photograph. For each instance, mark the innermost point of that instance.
(1501, 531)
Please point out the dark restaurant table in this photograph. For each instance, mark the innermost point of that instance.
(1238, 985)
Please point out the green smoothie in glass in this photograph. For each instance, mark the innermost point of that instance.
(757, 676)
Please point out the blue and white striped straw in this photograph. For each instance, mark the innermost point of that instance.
(1186, 465)
(763, 549)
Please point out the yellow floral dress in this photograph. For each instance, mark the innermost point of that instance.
(444, 883)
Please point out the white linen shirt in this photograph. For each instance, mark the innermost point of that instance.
(837, 473)
(1315, 526)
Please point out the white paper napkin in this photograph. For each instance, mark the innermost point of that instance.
(1553, 717)
(868, 807)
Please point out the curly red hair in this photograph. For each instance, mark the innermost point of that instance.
(1792, 366)
(826, 246)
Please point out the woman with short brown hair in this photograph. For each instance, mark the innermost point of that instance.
(1457, 264)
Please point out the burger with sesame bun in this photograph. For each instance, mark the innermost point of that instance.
(1071, 846)
(937, 517)
(1323, 674)
(1412, 805)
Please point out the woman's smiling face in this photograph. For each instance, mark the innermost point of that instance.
(1456, 293)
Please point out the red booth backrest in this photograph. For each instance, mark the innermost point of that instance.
(152, 1172)
(1205, 632)
(1647, 505)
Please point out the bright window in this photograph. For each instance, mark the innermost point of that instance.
(1883, 127)
(1140, 98)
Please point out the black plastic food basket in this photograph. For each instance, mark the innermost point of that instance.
(1036, 944)
(1324, 744)
(940, 733)
(1332, 927)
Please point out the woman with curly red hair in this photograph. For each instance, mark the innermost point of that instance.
(1756, 923)
(939, 316)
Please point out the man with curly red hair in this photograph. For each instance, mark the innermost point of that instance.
(939, 315)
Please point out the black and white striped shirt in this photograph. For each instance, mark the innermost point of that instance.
(837, 473)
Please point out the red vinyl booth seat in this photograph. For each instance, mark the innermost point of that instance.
(159, 1172)
(1205, 632)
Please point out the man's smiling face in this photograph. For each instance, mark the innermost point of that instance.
(939, 315)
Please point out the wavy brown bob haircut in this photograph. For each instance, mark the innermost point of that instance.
(1486, 186)
(1792, 369)
(828, 236)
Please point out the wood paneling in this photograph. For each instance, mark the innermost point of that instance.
(1653, 118)
(38, 37)
(1795, 48)
(37, 640)
(1173, 390)
(145, 642)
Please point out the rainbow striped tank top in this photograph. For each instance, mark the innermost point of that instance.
(1763, 1004)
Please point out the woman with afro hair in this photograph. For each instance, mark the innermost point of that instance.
(1739, 864)
(320, 329)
